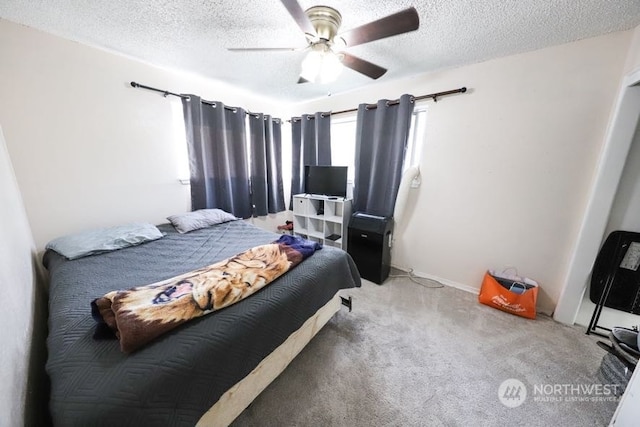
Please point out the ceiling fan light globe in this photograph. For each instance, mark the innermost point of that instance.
(331, 68)
(321, 65)
(311, 66)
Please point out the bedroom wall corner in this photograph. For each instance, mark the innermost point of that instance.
(23, 316)
(506, 168)
(88, 149)
(633, 58)
(610, 195)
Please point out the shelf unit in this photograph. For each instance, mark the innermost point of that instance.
(322, 219)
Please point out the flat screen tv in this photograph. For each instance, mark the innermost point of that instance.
(326, 180)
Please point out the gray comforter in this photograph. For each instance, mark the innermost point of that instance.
(177, 377)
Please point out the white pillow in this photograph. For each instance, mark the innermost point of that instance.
(100, 240)
(199, 219)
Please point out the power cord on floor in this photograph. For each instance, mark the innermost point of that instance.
(411, 276)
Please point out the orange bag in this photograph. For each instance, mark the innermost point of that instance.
(510, 293)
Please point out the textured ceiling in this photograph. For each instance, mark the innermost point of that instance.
(192, 35)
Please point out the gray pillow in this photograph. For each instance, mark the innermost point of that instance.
(100, 240)
(199, 219)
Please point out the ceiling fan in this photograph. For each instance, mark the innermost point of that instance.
(327, 55)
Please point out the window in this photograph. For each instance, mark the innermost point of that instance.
(416, 137)
(343, 141)
(180, 137)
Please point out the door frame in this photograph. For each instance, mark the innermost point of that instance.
(611, 163)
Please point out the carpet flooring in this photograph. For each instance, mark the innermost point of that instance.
(411, 356)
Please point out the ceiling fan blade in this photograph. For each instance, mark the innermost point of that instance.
(367, 68)
(398, 23)
(302, 80)
(265, 49)
(299, 16)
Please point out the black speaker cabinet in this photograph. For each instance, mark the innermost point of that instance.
(369, 245)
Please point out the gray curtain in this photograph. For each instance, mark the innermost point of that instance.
(216, 140)
(381, 142)
(265, 137)
(310, 146)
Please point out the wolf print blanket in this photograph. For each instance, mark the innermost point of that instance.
(139, 315)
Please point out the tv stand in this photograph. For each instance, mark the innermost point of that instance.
(323, 219)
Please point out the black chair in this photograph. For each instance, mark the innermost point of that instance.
(615, 279)
(624, 346)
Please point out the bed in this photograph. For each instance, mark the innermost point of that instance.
(204, 372)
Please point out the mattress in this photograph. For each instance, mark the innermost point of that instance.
(175, 379)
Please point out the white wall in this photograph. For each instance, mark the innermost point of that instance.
(633, 58)
(18, 285)
(507, 166)
(89, 150)
(625, 212)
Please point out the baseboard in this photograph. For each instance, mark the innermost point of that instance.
(446, 282)
(463, 287)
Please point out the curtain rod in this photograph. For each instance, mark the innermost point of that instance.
(166, 93)
(433, 96)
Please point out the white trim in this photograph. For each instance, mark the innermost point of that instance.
(627, 411)
(450, 283)
(619, 137)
